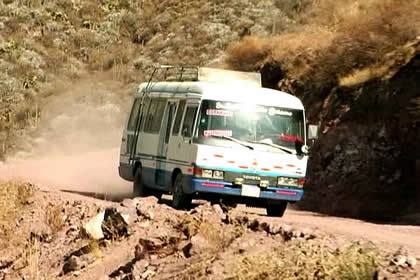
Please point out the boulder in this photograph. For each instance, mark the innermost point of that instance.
(94, 227)
(109, 224)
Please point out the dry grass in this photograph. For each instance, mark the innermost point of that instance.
(31, 257)
(54, 218)
(217, 239)
(14, 195)
(328, 39)
(308, 260)
(95, 249)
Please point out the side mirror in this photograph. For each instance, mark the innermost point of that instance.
(312, 131)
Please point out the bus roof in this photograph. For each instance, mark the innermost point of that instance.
(228, 92)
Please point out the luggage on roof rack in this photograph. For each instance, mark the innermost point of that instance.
(193, 73)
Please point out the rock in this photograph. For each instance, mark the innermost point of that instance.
(148, 274)
(140, 252)
(150, 246)
(145, 206)
(411, 261)
(4, 264)
(400, 260)
(114, 225)
(274, 228)
(186, 249)
(74, 263)
(109, 224)
(287, 232)
(308, 234)
(145, 201)
(70, 265)
(140, 267)
(152, 243)
(94, 227)
(297, 234)
(218, 209)
(129, 203)
(145, 213)
(199, 245)
(254, 225)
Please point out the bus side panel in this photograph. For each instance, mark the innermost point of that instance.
(126, 171)
(124, 168)
(146, 150)
(183, 154)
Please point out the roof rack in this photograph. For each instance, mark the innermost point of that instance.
(179, 73)
(193, 73)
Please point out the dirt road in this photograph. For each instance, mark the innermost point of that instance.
(96, 172)
(407, 236)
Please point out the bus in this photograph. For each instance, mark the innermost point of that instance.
(216, 134)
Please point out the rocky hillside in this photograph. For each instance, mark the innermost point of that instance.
(358, 76)
(67, 67)
(56, 235)
(48, 47)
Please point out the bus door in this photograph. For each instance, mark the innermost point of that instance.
(128, 140)
(161, 173)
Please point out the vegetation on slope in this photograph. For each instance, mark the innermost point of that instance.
(322, 42)
(355, 66)
(48, 43)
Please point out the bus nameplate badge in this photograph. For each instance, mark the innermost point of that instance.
(250, 191)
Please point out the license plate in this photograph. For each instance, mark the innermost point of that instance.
(251, 191)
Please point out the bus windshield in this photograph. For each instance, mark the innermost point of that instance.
(262, 127)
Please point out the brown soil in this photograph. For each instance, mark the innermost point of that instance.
(162, 243)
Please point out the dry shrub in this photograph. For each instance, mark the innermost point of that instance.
(214, 235)
(54, 217)
(331, 38)
(309, 260)
(216, 238)
(95, 249)
(14, 195)
(197, 271)
(31, 258)
(247, 53)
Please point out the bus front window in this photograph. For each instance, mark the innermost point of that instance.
(249, 123)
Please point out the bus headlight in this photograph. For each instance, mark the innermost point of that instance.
(217, 174)
(208, 173)
(287, 181)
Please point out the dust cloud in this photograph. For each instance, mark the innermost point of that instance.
(76, 145)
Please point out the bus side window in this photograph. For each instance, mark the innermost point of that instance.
(144, 113)
(155, 115)
(187, 127)
(158, 115)
(178, 119)
(134, 116)
(149, 117)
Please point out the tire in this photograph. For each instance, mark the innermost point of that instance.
(139, 189)
(276, 210)
(180, 200)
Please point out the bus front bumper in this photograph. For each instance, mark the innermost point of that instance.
(224, 188)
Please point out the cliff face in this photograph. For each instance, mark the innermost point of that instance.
(366, 161)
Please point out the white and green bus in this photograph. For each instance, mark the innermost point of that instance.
(216, 134)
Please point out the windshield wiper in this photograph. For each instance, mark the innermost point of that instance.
(275, 146)
(234, 140)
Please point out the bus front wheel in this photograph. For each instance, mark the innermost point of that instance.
(139, 189)
(180, 199)
(276, 209)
